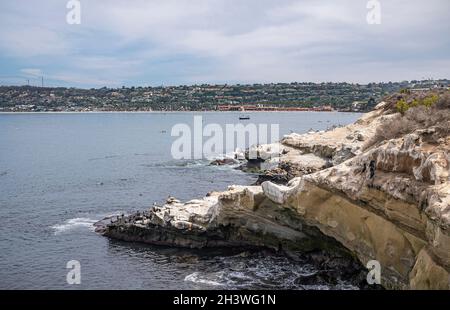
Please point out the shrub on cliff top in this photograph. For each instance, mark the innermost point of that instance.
(403, 106)
(430, 100)
(419, 113)
(396, 102)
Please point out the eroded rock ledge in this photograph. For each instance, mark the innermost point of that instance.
(388, 202)
(240, 216)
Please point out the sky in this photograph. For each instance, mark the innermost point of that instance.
(184, 42)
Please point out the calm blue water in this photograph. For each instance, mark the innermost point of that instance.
(59, 173)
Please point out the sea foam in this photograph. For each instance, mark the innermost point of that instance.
(75, 223)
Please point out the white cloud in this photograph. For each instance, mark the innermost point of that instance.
(228, 40)
(31, 41)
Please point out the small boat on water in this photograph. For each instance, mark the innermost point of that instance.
(244, 117)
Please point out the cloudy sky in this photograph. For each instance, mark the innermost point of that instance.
(173, 42)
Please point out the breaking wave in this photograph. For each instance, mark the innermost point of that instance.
(196, 277)
(257, 271)
(75, 223)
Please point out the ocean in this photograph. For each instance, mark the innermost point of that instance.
(62, 172)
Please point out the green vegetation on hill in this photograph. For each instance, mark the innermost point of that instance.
(427, 110)
(340, 96)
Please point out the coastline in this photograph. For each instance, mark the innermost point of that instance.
(384, 201)
(162, 112)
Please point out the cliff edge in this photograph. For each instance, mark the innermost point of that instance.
(378, 188)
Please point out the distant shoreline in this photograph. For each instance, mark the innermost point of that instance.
(161, 112)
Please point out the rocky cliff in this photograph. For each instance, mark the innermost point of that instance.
(350, 189)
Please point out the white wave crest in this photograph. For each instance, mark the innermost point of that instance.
(75, 223)
(197, 278)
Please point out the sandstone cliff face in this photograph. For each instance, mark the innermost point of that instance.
(396, 211)
(240, 216)
(389, 201)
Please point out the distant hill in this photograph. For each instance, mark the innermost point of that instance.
(340, 96)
